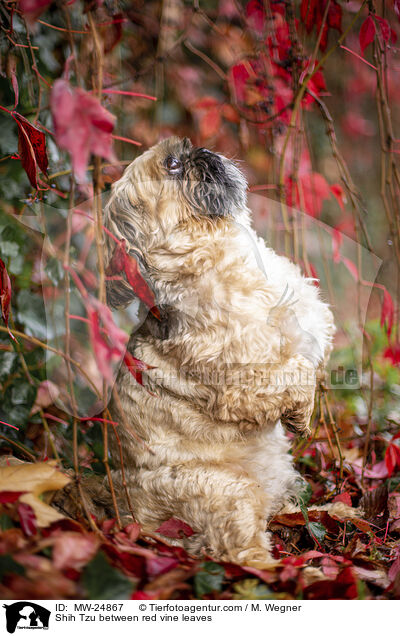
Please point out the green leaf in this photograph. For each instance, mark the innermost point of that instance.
(304, 493)
(8, 565)
(54, 270)
(303, 497)
(16, 265)
(17, 415)
(252, 589)
(102, 581)
(8, 363)
(317, 530)
(31, 314)
(5, 523)
(208, 579)
(23, 393)
(9, 249)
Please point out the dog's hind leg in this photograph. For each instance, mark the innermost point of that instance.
(225, 508)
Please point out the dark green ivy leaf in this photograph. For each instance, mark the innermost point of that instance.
(102, 581)
(8, 565)
(317, 530)
(208, 579)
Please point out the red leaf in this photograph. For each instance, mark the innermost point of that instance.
(31, 148)
(8, 496)
(350, 266)
(367, 33)
(385, 28)
(344, 587)
(394, 569)
(160, 565)
(105, 351)
(210, 123)
(240, 75)
(387, 312)
(308, 13)
(324, 37)
(101, 350)
(206, 102)
(139, 285)
(33, 8)
(175, 529)
(14, 83)
(338, 193)
(315, 191)
(27, 156)
(116, 264)
(337, 238)
(37, 139)
(344, 497)
(82, 125)
(334, 19)
(27, 519)
(392, 458)
(5, 292)
(135, 366)
(74, 550)
(143, 596)
(361, 524)
(230, 113)
(392, 353)
(256, 15)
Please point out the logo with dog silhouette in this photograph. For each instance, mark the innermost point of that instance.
(26, 615)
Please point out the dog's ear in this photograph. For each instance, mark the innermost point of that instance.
(122, 221)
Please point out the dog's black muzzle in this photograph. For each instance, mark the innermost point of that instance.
(209, 184)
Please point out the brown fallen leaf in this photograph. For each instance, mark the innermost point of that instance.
(33, 479)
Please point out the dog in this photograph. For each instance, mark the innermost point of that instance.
(235, 358)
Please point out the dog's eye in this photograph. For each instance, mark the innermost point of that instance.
(173, 165)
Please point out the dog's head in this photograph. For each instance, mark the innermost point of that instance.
(172, 184)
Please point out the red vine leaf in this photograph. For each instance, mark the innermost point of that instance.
(367, 33)
(27, 519)
(32, 9)
(105, 350)
(315, 190)
(82, 125)
(5, 292)
(139, 285)
(387, 312)
(335, 16)
(392, 353)
(392, 458)
(385, 28)
(31, 148)
(256, 15)
(135, 367)
(175, 529)
(338, 193)
(116, 263)
(308, 13)
(9, 496)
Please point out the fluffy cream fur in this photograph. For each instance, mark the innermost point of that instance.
(246, 336)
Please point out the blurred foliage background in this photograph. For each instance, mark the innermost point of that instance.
(305, 95)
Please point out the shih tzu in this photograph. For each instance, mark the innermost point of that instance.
(234, 360)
